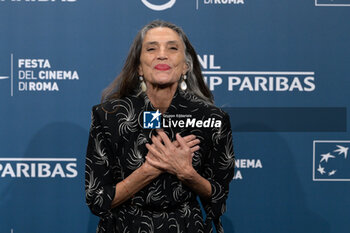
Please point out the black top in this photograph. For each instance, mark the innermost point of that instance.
(117, 147)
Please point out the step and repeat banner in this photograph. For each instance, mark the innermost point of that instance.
(280, 68)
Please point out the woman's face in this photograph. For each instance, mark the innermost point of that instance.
(162, 60)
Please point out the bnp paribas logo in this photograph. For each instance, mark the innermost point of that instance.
(151, 119)
(331, 160)
(332, 2)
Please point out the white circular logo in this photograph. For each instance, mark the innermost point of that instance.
(159, 7)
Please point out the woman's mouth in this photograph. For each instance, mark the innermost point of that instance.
(162, 67)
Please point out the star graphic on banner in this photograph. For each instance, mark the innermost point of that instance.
(156, 115)
(321, 169)
(332, 173)
(325, 157)
(342, 150)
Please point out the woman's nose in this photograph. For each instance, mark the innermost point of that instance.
(162, 54)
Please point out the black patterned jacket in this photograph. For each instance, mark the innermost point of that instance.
(117, 147)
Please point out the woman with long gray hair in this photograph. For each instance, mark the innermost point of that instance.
(157, 142)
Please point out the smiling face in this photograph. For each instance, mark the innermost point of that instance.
(162, 60)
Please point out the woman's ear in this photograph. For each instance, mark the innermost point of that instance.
(140, 71)
(185, 68)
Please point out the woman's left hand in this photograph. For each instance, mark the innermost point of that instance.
(174, 160)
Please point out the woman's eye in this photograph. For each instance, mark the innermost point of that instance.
(173, 48)
(149, 49)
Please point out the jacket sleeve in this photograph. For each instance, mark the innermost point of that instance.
(99, 183)
(219, 171)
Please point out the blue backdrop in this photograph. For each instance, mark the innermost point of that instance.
(280, 68)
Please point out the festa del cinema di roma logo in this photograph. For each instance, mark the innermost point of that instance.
(37, 75)
(169, 4)
(157, 7)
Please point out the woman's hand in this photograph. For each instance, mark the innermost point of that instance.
(191, 142)
(172, 157)
(149, 169)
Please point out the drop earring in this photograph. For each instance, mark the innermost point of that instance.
(183, 85)
(142, 84)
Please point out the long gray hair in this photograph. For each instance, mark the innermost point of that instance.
(127, 81)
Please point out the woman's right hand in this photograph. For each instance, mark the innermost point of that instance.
(190, 140)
